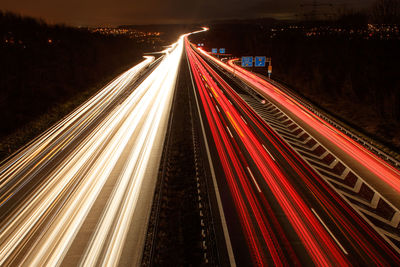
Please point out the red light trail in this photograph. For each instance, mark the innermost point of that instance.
(249, 178)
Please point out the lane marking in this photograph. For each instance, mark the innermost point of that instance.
(229, 131)
(254, 180)
(243, 119)
(329, 231)
(269, 153)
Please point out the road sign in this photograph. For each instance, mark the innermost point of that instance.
(247, 61)
(214, 50)
(259, 61)
(222, 50)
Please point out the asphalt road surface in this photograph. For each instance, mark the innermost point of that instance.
(287, 187)
(284, 209)
(80, 194)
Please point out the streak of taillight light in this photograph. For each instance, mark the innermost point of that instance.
(318, 243)
(310, 179)
(226, 155)
(369, 160)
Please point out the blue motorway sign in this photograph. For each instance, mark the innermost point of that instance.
(247, 61)
(214, 50)
(259, 61)
(222, 50)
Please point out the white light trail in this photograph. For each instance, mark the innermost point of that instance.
(124, 150)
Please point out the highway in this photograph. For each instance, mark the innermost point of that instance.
(286, 209)
(76, 193)
(287, 188)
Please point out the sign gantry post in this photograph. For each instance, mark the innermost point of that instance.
(269, 67)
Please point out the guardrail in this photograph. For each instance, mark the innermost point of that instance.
(328, 118)
(337, 124)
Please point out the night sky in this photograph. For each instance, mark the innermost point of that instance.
(117, 12)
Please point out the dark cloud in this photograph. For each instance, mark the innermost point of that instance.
(116, 12)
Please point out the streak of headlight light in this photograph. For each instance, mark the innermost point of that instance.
(42, 200)
(38, 206)
(160, 114)
(126, 77)
(138, 161)
(135, 168)
(111, 90)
